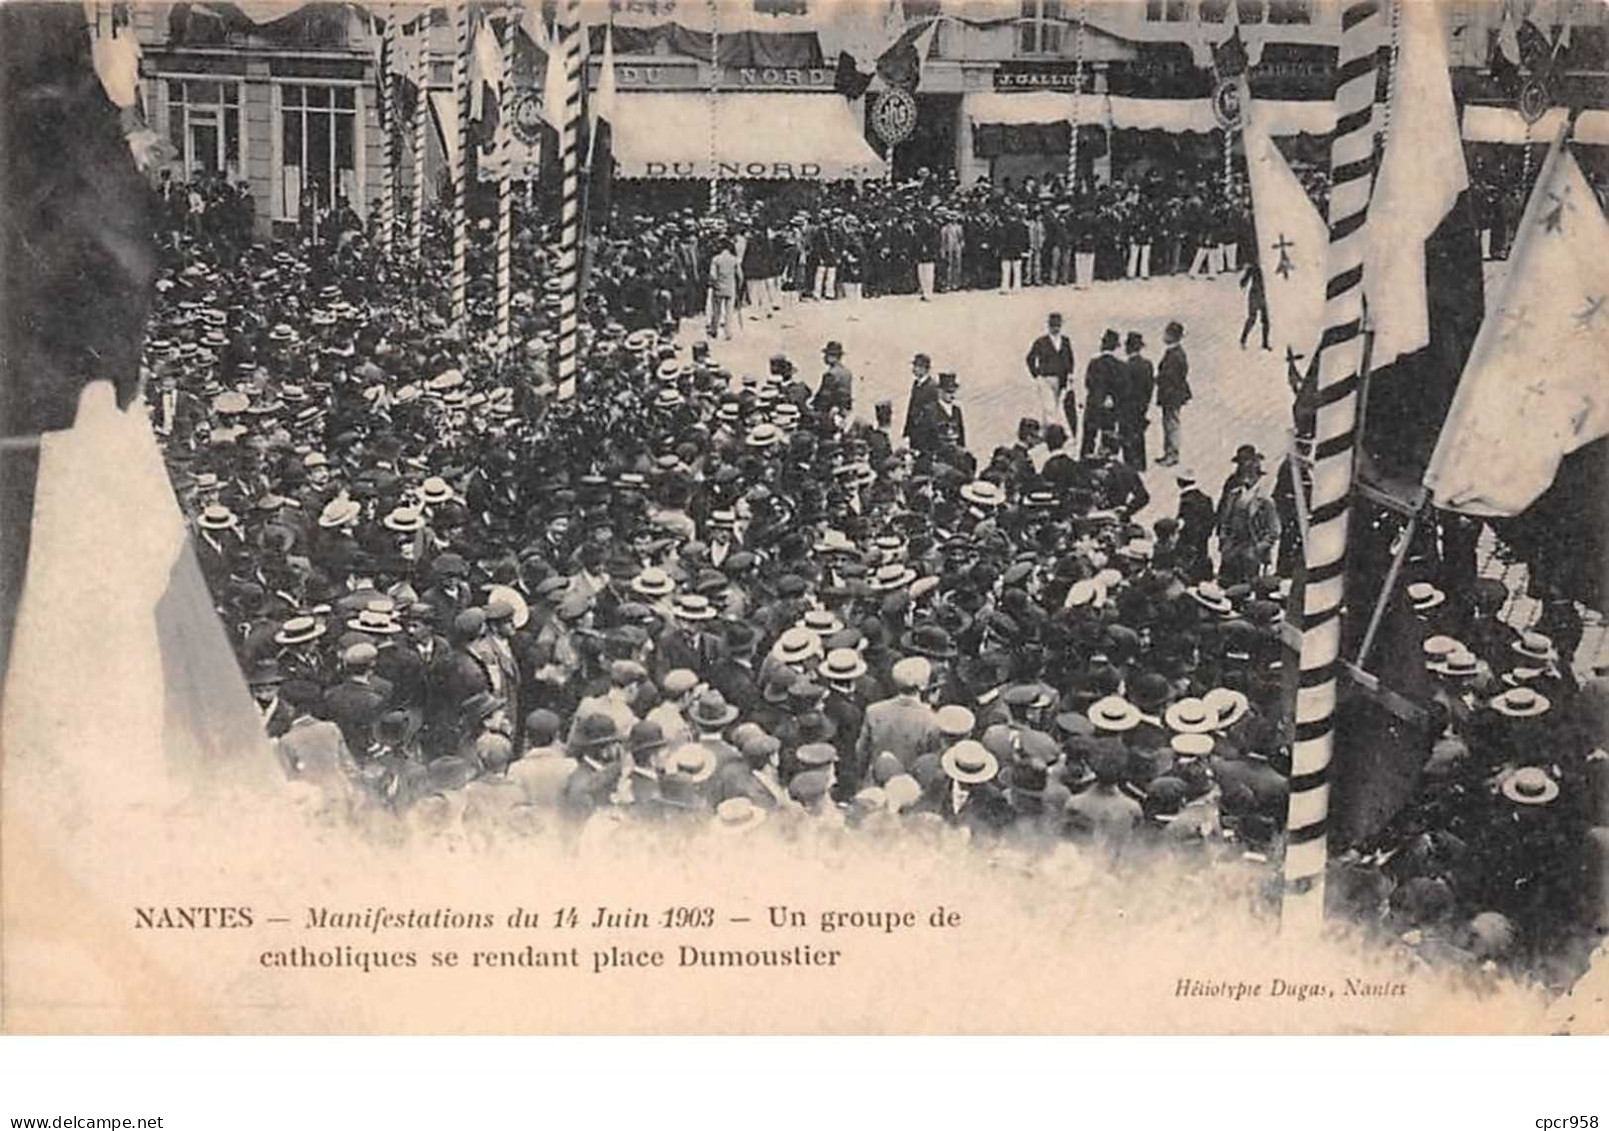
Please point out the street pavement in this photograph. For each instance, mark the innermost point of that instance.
(1240, 396)
(983, 337)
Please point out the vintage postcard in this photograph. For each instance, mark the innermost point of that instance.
(804, 516)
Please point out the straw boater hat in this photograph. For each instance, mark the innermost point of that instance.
(764, 436)
(404, 519)
(691, 763)
(1425, 596)
(1530, 785)
(376, 621)
(1191, 745)
(692, 606)
(982, 493)
(842, 665)
(299, 630)
(653, 582)
(892, 576)
(954, 720)
(822, 622)
(435, 490)
(1114, 713)
(506, 596)
(1520, 703)
(340, 511)
(1229, 704)
(797, 644)
(737, 815)
(1535, 646)
(1211, 597)
(1191, 716)
(1438, 648)
(669, 397)
(1458, 663)
(217, 517)
(1084, 592)
(969, 762)
(834, 542)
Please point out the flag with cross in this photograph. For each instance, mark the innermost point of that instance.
(1292, 246)
(1533, 389)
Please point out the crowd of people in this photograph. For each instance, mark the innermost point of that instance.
(927, 236)
(708, 599)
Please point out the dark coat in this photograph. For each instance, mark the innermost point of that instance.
(1046, 360)
(354, 706)
(1173, 379)
(1138, 385)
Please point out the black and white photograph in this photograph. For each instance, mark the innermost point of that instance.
(820, 516)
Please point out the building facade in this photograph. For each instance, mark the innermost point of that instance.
(284, 96)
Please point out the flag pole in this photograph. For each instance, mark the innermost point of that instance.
(421, 126)
(1324, 551)
(505, 202)
(1078, 97)
(715, 93)
(460, 266)
(569, 264)
(388, 136)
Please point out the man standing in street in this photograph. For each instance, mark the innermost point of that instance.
(837, 390)
(723, 289)
(927, 253)
(1050, 364)
(924, 394)
(1102, 378)
(1248, 521)
(1172, 390)
(1134, 399)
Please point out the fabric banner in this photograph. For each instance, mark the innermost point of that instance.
(1172, 115)
(1421, 176)
(1292, 246)
(1533, 390)
(757, 136)
(146, 629)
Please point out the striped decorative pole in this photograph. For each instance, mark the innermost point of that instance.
(459, 280)
(1340, 364)
(569, 34)
(505, 177)
(1078, 98)
(421, 127)
(715, 108)
(388, 136)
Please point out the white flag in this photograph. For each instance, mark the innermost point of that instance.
(1421, 175)
(1292, 245)
(1533, 390)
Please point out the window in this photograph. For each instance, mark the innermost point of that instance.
(1290, 11)
(204, 125)
(1039, 30)
(1170, 11)
(318, 146)
(1217, 11)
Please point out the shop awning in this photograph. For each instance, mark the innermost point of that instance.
(1503, 125)
(741, 136)
(1174, 115)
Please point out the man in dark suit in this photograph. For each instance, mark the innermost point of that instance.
(1172, 391)
(837, 390)
(359, 699)
(1134, 399)
(924, 393)
(1102, 378)
(1050, 362)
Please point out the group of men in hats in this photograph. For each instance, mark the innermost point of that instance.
(713, 600)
